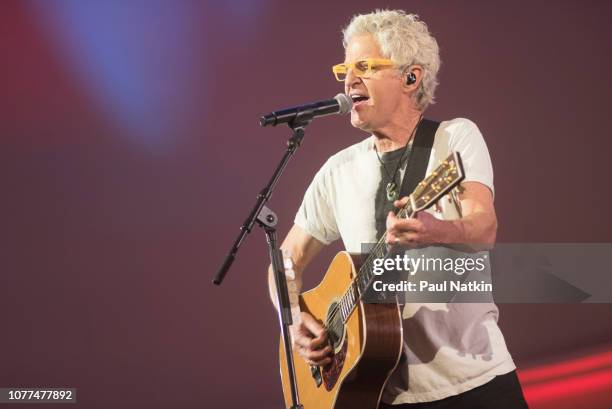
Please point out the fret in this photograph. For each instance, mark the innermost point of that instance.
(380, 252)
(347, 304)
(368, 271)
(363, 283)
(376, 251)
(363, 278)
(347, 307)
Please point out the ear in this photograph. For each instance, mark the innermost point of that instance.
(417, 70)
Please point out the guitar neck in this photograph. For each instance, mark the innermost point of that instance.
(365, 275)
(441, 181)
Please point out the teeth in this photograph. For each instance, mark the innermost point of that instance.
(358, 96)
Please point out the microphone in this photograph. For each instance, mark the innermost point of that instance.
(340, 104)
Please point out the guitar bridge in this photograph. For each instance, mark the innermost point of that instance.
(316, 374)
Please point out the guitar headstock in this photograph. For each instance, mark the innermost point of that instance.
(442, 180)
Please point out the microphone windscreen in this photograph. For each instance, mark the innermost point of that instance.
(345, 102)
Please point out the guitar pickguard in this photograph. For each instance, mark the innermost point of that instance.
(331, 372)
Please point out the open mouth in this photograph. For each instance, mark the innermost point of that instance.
(357, 99)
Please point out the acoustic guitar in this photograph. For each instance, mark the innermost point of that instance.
(366, 337)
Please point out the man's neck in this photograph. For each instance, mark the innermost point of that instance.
(396, 135)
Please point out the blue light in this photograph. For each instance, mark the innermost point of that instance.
(136, 60)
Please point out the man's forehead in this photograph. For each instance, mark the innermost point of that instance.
(361, 46)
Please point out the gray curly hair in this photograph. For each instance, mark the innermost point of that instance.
(405, 39)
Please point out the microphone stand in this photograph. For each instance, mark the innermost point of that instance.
(268, 220)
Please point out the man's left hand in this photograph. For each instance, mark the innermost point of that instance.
(423, 230)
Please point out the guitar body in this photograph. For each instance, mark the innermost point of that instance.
(365, 355)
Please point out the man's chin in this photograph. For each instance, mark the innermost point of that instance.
(360, 124)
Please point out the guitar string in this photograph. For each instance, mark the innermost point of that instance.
(401, 213)
(330, 320)
(381, 243)
(336, 307)
(377, 247)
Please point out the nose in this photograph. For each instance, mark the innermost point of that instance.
(350, 80)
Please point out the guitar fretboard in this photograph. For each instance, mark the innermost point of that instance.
(365, 275)
(444, 178)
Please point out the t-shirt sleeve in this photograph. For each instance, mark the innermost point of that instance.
(316, 215)
(474, 154)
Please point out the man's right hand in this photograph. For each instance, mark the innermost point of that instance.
(310, 341)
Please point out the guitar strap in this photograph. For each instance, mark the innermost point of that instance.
(419, 158)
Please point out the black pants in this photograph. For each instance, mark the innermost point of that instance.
(502, 392)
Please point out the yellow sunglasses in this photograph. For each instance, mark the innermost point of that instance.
(362, 68)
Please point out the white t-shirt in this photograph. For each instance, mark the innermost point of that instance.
(448, 348)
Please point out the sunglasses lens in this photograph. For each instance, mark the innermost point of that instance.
(340, 72)
(361, 67)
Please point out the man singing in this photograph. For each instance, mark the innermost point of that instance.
(454, 355)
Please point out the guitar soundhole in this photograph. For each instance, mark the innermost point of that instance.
(335, 326)
(336, 333)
